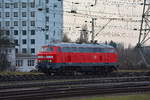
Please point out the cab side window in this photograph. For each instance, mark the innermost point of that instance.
(59, 49)
(50, 49)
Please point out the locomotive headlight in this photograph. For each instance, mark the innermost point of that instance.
(49, 56)
(40, 57)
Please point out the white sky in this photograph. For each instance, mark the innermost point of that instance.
(127, 12)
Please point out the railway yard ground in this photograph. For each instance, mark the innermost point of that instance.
(38, 86)
(36, 73)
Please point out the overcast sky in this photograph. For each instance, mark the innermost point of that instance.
(121, 17)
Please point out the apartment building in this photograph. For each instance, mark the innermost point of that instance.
(31, 24)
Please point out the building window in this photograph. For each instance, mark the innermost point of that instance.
(32, 41)
(54, 33)
(15, 32)
(30, 62)
(24, 14)
(7, 32)
(16, 50)
(0, 14)
(19, 63)
(32, 23)
(15, 14)
(7, 5)
(47, 1)
(32, 50)
(24, 32)
(7, 23)
(9, 50)
(47, 19)
(24, 23)
(32, 4)
(32, 14)
(46, 27)
(55, 6)
(15, 23)
(24, 41)
(24, 5)
(24, 50)
(0, 5)
(54, 23)
(47, 10)
(7, 14)
(46, 37)
(0, 24)
(54, 15)
(6, 51)
(16, 42)
(16, 5)
(32, 32)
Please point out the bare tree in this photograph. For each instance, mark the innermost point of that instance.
(4, 43)
(129, 58)
(66, 38)
(83, 35)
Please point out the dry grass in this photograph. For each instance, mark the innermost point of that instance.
(124, 97)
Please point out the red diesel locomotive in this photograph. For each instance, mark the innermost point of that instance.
(70, 58)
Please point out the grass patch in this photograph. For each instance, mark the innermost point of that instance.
(128, 97)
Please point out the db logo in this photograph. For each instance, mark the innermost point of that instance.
(94, 57)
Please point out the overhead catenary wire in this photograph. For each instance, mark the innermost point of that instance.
(103, 27)
(134, 17)
(112, 2)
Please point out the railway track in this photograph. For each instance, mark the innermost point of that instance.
(30, 77)
(71, 82)
(46, 93)
(76, 88)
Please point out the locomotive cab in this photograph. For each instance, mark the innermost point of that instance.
(45, 58)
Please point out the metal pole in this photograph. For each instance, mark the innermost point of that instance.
(93, 30)
(143, 37)
(143, 15)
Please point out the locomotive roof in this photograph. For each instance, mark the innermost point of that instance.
(80, 45)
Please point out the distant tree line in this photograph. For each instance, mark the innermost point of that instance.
(130, 58)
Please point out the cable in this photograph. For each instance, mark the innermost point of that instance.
(103, 27)
(108, 2)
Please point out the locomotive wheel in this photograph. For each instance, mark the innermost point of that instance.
(103, 71)
(69, 71)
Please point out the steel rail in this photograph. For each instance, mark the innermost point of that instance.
(76, 91)
(72, 82)
(12, 78)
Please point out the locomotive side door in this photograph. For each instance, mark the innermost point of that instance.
(60, 55)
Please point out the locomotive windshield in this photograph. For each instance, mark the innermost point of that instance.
(50, 49)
